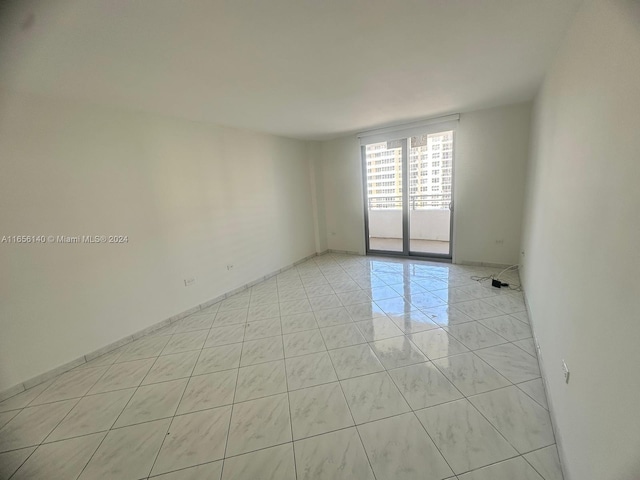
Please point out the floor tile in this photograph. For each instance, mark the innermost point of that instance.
(354, 297)
(172, 367)
(309, 370)
(263, 312)
(426, 300)
(546, 462)
(373, 397)
(507, 470)
(423, 385)
(65, 459)
(332, 316)
(527, 345)
(395, 306)
(342, 336)
(146, 347)
(413, 322)
(355, 360)
(208, 471)
(465, 438)
(524, 423)
(318, 409)
(185, 342)
(234, 302)
(123, 375)
(400, 449)
(516, 365)
(470, 374)
(383, 293)
(478, 309)
(260, 351)
(431, 284)
(6, 416)
(437, 343)
(194, 323)
(275, 463)
(11, 461)
(298, 323)
(507, 303)
(33, 424)
(270, 296)
(378, 329)
(445, 315)
(303, 343)
(231, 317)
(93, 413)
(397, 352)
(289, 294)
(75, 383)
(153, 402)
(535, 389)
(522, 316)
(364, 311)
(262, 329)
(474, 335)
(508, 327)
(193, 439)
(260, 380)
(225, 335)
(215, 359)
(453, 295)
(294, 307)
(318, 290)
(336, 456)
(208, 391)
(127, 453)
(23, 399)
(258, 424)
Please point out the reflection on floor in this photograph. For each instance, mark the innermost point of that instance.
(420, 246)
(344, 367)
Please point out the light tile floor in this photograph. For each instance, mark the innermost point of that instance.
(344, 367)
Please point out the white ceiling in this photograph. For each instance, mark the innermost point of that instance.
(312, 69)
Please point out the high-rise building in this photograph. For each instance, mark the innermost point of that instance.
(430, 172)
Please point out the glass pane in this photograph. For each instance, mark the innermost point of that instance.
(430, 178)
(384, 191)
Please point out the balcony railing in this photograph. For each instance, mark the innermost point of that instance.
(416, 201)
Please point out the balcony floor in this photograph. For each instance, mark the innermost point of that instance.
(420, 246)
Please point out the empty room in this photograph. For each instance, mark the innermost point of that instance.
(309, 240)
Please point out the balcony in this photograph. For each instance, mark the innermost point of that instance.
(429, 223)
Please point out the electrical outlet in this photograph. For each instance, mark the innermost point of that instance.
(229, 267)
(565, 370)
(189, 281)
(500, 241)
(522, 253)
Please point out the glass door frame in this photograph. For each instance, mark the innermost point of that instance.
(406, 224)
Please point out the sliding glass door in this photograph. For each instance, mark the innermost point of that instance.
(409, 193)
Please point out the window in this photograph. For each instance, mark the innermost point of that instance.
(435, 180)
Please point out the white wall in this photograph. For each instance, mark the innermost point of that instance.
(581, 240)
(192, 199)
(341, 172)
(491, 152)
